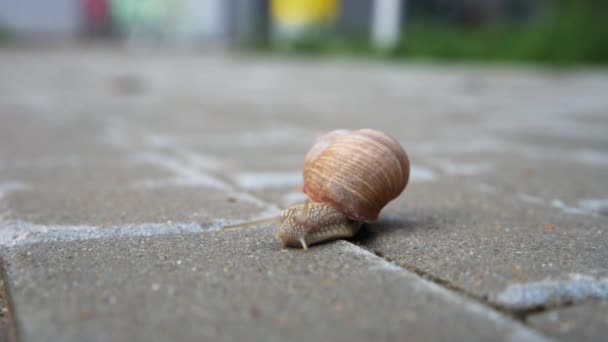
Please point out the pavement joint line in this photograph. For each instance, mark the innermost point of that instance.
(189, 168)
(446, 284)
(421, 174)
(16, 233)
(585, 156)
(183, 173)
(13, 328)
(584, 206)
(480, 306)
(186, 174)
(257, 180)
(537, 294)
(198, 159)
(518, 313)
(10, 186)
(454, 168)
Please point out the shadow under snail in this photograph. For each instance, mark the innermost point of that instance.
(349, 176)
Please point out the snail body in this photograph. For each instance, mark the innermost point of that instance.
(313, 222)
(349, 176)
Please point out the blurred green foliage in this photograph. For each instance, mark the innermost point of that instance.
(573, 32)
(5, 34)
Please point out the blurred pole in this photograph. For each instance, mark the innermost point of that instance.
(355, 18)
(248, 21)
(386, 23)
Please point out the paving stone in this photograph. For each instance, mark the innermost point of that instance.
(236, 285)
(491, 245)
(548, 181)
(584, 322)
(501, 233)
(120, 206)
(119, 173)
(507, 200)
(44, 136)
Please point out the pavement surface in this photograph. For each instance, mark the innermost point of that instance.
(118, 168)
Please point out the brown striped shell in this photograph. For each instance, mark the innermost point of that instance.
(356, 172)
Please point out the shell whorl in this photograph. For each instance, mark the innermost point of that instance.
(356, 172)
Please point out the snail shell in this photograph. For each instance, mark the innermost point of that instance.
(357, 172)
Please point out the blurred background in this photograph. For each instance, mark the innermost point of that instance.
(547, 31)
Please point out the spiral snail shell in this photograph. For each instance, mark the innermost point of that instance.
(349, 176)
(357, 173)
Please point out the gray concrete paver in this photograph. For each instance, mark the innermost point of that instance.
(237, 285)
(506, 203)
(123, 206)
(584, 322)
(487, 245)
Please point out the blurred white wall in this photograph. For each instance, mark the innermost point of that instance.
(204, 20)
(41, 17)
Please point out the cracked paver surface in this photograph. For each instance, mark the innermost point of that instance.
(506, 212)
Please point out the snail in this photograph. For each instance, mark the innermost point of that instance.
(349, 176)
